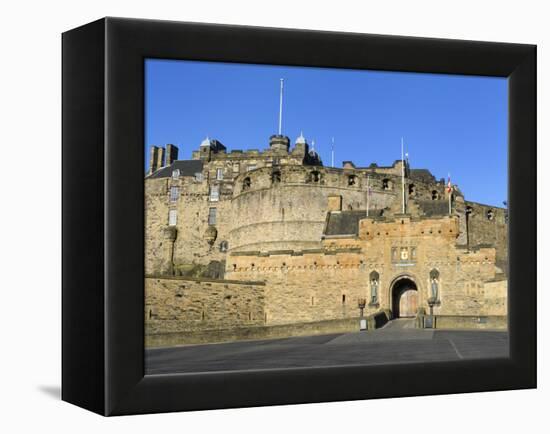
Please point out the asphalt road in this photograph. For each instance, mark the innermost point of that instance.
(398, 342)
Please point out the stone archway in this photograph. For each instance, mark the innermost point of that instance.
(404, 296)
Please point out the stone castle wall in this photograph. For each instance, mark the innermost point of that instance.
(191, 247)
(484, 230)
(312, 286)
(281, 267)
(289, 212)
(176, 305)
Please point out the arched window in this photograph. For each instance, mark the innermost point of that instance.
(386, 184)
(276, 177)
(412, 190)
(314, 176)
(374, 284)
(490, 214)
(435, 195)
(352, 180)
(246, 183)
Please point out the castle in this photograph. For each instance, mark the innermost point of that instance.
(245, 244)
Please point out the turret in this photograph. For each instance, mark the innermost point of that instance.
(210, 146)
(279, 142)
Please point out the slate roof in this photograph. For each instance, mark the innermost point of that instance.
(344, 222)
(186, 168)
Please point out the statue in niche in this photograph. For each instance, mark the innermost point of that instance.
(374, 283)
(434, 285)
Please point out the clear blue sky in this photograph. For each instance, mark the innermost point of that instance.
(450, 123)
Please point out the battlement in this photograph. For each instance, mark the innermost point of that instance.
(348, 177)
(406, 227)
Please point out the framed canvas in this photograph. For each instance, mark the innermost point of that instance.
(292, 273)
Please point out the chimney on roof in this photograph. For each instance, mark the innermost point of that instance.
(160, 158)
(171, 154)
(153, 159)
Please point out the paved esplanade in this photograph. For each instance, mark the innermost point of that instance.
(397, 342)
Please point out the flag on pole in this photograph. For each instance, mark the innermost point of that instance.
(403, 175)
(449, 190)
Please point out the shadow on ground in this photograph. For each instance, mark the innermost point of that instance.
(397, 342)
(51, 391)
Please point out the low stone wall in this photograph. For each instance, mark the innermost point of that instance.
(187, 305)
(346, 325)
(471, 322)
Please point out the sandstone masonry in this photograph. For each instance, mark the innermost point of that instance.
(284, 240)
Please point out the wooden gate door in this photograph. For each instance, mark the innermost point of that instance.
(408, 303)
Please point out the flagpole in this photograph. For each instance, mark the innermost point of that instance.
(403, 175)
(368, 194)
(281, 109)
(332, 152)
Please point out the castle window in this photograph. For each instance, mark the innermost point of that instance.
(214, 193)
(175, 174)
(246, 183)
(314, 176)
(224, 246)
(352, 180)
(343, 298)
(219, 174)
(172, 217)
(490, 214)
(212, 216)
(198, 177)
(435, 195)
(386, 184)
(276, 177)
(174, 194)
(412, 190)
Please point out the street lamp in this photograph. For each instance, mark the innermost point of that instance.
(361, 303)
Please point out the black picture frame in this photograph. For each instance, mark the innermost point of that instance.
(103, 215)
